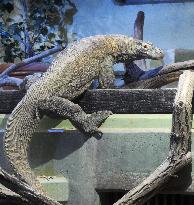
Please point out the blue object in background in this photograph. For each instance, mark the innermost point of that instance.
(150, 73)
(4, 34)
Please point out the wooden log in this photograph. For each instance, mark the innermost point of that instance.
(167, 74)
(23, 71)
(179, 154)
(185, 65)
(156, 82)
(124, 101)
(7, 196)
(15, 80)
(25, 192)
(9, 100)
(129, 101)
(11, 81)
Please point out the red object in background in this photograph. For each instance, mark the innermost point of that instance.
(36, 67)
(29, 69)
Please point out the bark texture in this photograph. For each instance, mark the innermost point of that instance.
(165, 75)
(22, 192)
(179, 154)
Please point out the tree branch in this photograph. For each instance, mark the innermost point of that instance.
(27, 61)
(185, 65)
(162, 75)
(179, 154)
(138, 34)
(138, 25)
(24, 190)
(11, 197)
(155, 82)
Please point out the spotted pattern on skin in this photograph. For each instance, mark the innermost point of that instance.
(71, 73)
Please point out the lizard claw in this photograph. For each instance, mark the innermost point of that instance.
(96, 119)
(99, 117)
(94, 133)
(98, 134)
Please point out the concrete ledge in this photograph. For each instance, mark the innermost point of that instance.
(56, 187)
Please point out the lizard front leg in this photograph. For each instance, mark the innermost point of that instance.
(106, 75)
(29, 80)
(88, 124)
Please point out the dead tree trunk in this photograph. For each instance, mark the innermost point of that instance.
(138, 34)
(179, 154)
(22, 192)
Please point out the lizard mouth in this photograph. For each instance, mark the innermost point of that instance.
(157, 55)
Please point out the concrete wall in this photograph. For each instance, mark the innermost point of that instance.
(168, 25)
(132, 146)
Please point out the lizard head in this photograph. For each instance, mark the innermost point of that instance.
(148, 50)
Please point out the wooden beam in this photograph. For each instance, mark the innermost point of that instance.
(123, 101)
(9, 99)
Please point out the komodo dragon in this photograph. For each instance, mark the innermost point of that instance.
(71, 73)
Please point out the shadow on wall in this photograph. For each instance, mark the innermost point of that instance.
(56, 145)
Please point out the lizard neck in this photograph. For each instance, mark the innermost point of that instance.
(123, 49)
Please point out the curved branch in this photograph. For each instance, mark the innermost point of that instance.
(155, 82)
(155, 78)
(30, 60)
(152, 185)
(179, 154)
(185, 65)
(24, 190)
(11, 197)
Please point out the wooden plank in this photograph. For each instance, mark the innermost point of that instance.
(121, 101)
(125, 101)
(9, 99)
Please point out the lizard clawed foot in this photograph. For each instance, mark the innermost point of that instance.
(94, 133)
(99, 117)
(95, 120)
(98, 135)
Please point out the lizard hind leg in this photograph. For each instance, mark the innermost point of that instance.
(87, 124)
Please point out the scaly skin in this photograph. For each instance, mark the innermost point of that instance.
(70, 74)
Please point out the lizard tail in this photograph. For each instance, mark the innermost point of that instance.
(21, 125)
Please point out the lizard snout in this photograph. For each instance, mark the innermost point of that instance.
(159, 54)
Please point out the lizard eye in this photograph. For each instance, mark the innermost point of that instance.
(145, 46)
